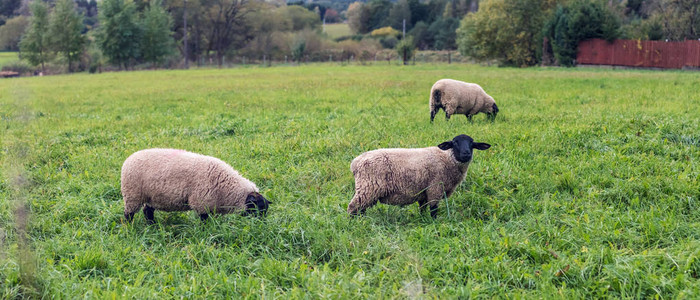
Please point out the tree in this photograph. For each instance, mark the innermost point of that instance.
(157, 40)
(580, 21)
(11, 33)
(34, 45)
(421, 36)
(680, 18)
(65, 27)
(119, 34)
(226, 22)
(444, 33)
(406, 49)
(8, 8)
(358, 17)
(379, 13)
(301, 17)
(399, 13)
(509, 31)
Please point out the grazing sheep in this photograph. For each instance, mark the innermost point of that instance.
(404, 176)
(177, 180)
(458, 97)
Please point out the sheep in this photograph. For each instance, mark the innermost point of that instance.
(177, 180)
(404, 176)
(458, 97)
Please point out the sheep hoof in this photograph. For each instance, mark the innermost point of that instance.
(129, 216)
(433, 211)
(148, 212)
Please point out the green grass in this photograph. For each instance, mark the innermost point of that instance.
(8, 57)
(338, 30)
(590, 190)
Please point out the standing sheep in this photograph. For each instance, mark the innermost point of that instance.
(177, 180)
(458, 97)
(404, 176)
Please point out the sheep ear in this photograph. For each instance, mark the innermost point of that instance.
(446, 145)
(481, 146)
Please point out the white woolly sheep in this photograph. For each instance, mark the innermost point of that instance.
(404, 176)
(459, 97)
(177, 180)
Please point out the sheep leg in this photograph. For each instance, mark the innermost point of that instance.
(422, 204)
(203, 216)
(469, 117)
(434, 210)
(129, 216)
(359, 204)
(447, 115)
(433, 111)
(148, 212)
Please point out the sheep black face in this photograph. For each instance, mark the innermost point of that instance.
(462, 146)
(256, 204)
(493, 113)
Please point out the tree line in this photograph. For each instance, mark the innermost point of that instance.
(85, 34)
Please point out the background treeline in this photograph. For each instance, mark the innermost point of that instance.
(75, 35)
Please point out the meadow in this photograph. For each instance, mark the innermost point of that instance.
(337, 30)
(8, 57)
(590, 188)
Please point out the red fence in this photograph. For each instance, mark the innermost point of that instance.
(635, 53)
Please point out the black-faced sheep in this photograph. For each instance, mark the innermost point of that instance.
(405, 176)
(458, 97)
(177, 180)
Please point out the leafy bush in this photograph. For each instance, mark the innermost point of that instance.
(385, 32)
(20, 66)
(580, 21)
(389, 42)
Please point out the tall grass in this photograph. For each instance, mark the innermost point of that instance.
(590, 189)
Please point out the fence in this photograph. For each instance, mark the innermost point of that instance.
(637, 53)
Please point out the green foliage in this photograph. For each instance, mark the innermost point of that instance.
(505, 30)
(299, 50)
(444, 33)
(157, 42)
(302, 18)
(9, 8)
(379, 13)
(11, 33)
(590, 190)
(389, 42)
(421, 36)
(579, 21)
(65, 32)
(358, 15)
(35, 43)
(399, 12)
(680, 18)
(406, 49)
(119, 35)
(16, 65)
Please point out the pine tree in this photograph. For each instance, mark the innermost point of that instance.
(157, 41)
(65, 27)
(34, 45)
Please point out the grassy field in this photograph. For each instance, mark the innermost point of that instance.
(590, 190)
(8, 57)
(337, 30)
